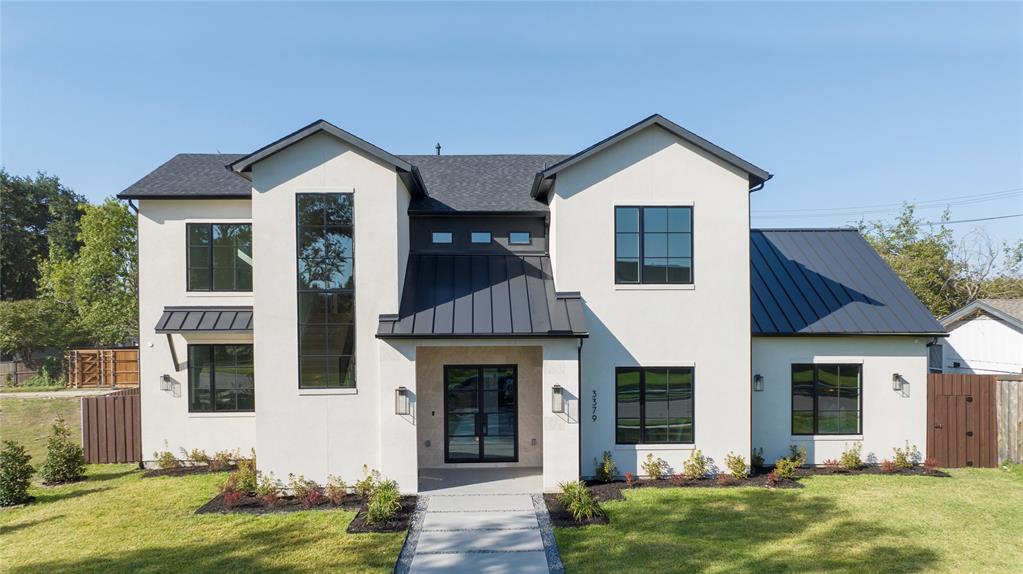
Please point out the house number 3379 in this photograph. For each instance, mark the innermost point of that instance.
(593, 401)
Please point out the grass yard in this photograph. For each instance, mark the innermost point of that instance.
(117, 521)
(971, 522)
(27, 421)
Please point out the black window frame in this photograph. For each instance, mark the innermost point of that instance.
(339, 291)
(209, 263)
(472, 238)
(434, 234)
(213, 377)
(528, 241)
(640, 239)
(642, 403)
(816, 411)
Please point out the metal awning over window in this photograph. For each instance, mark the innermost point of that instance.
(205, 320)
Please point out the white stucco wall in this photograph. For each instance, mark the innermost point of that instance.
(983, 345)
(889, 418)
(706, 325)
(323, 431)
(166, 422)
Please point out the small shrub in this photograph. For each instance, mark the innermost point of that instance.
(695, 467)
(384, 502)
(232, 498)
(306, 491)
(931, 464)
(368, 484)
(195, 456)
(774, 477)
(906, 457)
(725, 479)
(888, 467)
(678, 479)
(756, 458)
(654, 467)
(797, 455)
(785, 467)
(630, 479)
(606, 469)
(15, 474)
(579, 500)
(737, 466)
(833, 465)
(852, 457)
(65, 460)
(335, 489)
(246, 475)
(269, 489)
(166, 460)
(222, 459)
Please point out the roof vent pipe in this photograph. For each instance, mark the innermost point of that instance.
(438, 148)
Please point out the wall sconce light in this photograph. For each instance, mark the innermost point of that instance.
(557, 399)
(758, 383)
(165, 383)
(897, 382)
(402, 404)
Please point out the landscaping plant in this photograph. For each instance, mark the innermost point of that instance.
(384, 502)
(166, 460)
(756, 458)
(931, 465)
(246, 476)
(630, 479)
(306, 491)
(606, 469)
(785, 467)
(833, 465)
(195, 456)
(736, 466)
(578, 500)
(269, 489)
(695, 467)
(851, 457)
(678, 479)
(797, 455)
(654, 467)
(335, 489)
(888, 467)
(906, 457)
(65, 460)
(15, 474)
(222, 460)
(368, 484)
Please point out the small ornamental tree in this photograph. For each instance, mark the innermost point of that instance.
(65, 460)
(15, 474)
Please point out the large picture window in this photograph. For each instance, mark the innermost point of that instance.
(219, 256)
(826, 399)
(220, 378)
(654, 405)
(326, 290)
(654, 245)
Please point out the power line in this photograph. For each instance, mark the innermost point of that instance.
(888, 207)
(972, 220)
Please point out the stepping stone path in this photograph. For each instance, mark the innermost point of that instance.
(480, 533)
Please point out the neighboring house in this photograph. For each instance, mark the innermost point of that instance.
(334, 305)
(984, 337)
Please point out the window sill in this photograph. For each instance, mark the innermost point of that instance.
(654, 287)
(656, 446)
(218, 294)
(327, 392)
(826, 437)
(223, 415)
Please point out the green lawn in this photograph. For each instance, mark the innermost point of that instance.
(117, 521)
(28, 421)
(43, 389)
(971, 522)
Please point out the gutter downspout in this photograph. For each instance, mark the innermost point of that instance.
(579, 373)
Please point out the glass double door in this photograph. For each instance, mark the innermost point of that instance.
(480, 413)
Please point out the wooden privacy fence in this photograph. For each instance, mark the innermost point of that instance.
(961, 420)
(1009, 404)
(112, 427)
(102, 368)
(18, 371)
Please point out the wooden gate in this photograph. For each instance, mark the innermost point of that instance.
(99, 368)
(961, 420)
(112, 427)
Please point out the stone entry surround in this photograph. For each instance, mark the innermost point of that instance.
(472, 533)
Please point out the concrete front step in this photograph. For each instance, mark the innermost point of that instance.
(480, 502)
(480, 520)
(479, 540)
(481, 563)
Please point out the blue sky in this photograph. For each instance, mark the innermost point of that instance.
(849, 105)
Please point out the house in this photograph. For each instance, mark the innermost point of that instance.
(334, 305)
(984, 337)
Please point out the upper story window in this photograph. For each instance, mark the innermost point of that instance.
(654, 405)
(221, 379)
(518, 238)
(481, 237)
(443, 237)
(219, 256)
(654, 245)
(326, 290)
(826, 399)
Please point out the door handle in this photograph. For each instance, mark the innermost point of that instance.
(938, 426)
(969, 433)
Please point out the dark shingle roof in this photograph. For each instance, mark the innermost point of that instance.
(1008, 310)
(205, 320)
(483, 296)
(826, 282)
(479, 182)
(191, 175)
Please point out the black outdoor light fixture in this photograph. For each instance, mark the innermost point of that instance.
(897, 382)
(402, 404)
(557, 399)
(758, 383)
(166, 383)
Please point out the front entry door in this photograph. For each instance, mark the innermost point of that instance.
(480, 413)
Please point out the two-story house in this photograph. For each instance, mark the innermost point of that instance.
(334, 305)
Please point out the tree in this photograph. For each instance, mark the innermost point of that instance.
(39, 215)
(99, 285)
(32, 325)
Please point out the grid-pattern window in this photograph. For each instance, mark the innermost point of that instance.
(826, 399)
(654, 405)
(326, 290)
(219, 256)
(654, 245)
(221, 378)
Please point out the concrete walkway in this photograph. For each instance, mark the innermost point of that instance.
(480, 533)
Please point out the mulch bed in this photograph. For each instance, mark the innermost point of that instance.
(562, 518)
(253, 505)
(400, 523)
(917, 470)
(184, 471)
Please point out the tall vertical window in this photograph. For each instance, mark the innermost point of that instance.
(654, 405)
(326, 290)
(826, 399)
(219, 256)
(654, 245)
(220, 378)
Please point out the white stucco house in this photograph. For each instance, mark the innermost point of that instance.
(985, 338)
(334, 305)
